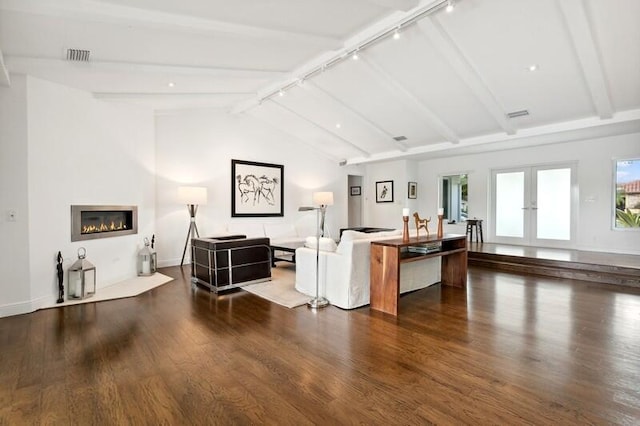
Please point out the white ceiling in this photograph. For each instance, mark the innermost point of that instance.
(446, 84)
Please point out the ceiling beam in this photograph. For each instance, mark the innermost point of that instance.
(255, 114)
(324, 129)
(325, 61)
(4, 73)
(622, 123)
(320, 93)
(577, 21)
(23, 63)
(163, 95)
(431, 118)
(99, 11)
(462, 66)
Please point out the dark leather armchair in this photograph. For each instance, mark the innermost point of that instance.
(222, 263)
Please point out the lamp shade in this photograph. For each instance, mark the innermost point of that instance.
(323, 198)
(193, 195)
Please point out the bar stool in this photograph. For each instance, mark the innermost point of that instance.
(477, 224)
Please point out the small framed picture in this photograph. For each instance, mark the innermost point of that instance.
(412, 191)
(384, 191)
(355, 191)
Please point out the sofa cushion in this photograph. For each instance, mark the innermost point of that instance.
(326, 244)
(391, 234)
(281, 231)
(251, 230)
(354, 235)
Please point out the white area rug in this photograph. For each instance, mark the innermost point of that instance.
(281, 288)
(126, 288)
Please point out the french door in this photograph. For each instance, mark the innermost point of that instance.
(534, 206)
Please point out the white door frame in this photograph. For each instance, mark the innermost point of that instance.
(530, 206)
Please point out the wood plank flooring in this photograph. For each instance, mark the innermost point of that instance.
(511, 349)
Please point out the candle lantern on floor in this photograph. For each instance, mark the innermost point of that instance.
(146, 260)
(82, 277)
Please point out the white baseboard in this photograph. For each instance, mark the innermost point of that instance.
(21, 308)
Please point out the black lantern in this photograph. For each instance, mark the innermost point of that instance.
(82, 277)
(146, 260)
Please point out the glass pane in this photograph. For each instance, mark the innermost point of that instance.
(509, 203)
(554, 204)
(455, 197)
(627, 202)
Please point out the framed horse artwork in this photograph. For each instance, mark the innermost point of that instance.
(257, 189)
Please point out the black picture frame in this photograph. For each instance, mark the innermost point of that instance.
(384, 191)
(412, 190)
(355, 191)
(257, 189)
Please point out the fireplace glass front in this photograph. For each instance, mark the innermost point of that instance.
(90, 222)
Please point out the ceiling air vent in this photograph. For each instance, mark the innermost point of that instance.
(515, 114)
(400, 138)
(78, 55)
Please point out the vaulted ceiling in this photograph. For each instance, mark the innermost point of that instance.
(426, 82)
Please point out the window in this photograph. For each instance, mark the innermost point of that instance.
(627, 194)
(454, 197)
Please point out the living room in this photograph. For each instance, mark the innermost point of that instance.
(64, 144)
(196, 148)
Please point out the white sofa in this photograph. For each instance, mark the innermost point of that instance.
(281, 233)
(344, 269)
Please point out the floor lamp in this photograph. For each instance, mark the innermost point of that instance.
(192, 196)
(322, 200)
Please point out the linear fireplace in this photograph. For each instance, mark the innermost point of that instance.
(91, 222)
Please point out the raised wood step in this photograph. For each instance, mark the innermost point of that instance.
(586, 271)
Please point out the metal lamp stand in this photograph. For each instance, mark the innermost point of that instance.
(319, 301)
(193, 229)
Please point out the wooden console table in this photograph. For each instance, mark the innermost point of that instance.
(388, 255)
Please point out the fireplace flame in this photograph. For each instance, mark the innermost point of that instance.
(104, 227)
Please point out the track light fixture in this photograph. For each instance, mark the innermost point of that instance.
(354, 51)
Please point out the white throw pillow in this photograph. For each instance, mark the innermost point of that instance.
(350, 235)
(393, 233)
(326, 244)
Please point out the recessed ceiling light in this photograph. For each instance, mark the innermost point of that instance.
(355, 55)
(338, 125)
(280, 93)
(449, 8)
(171, 84)
(396, 34)
(533, 67)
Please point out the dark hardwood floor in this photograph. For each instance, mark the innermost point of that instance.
(511, 349)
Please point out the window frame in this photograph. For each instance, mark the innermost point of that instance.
(614, 191)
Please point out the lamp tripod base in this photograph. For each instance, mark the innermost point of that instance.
(318, 302)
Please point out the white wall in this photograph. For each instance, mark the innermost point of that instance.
(389, 215)
(355, 202)
(594, 164)
(14, 247)
(196, 149)
(80, 150)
